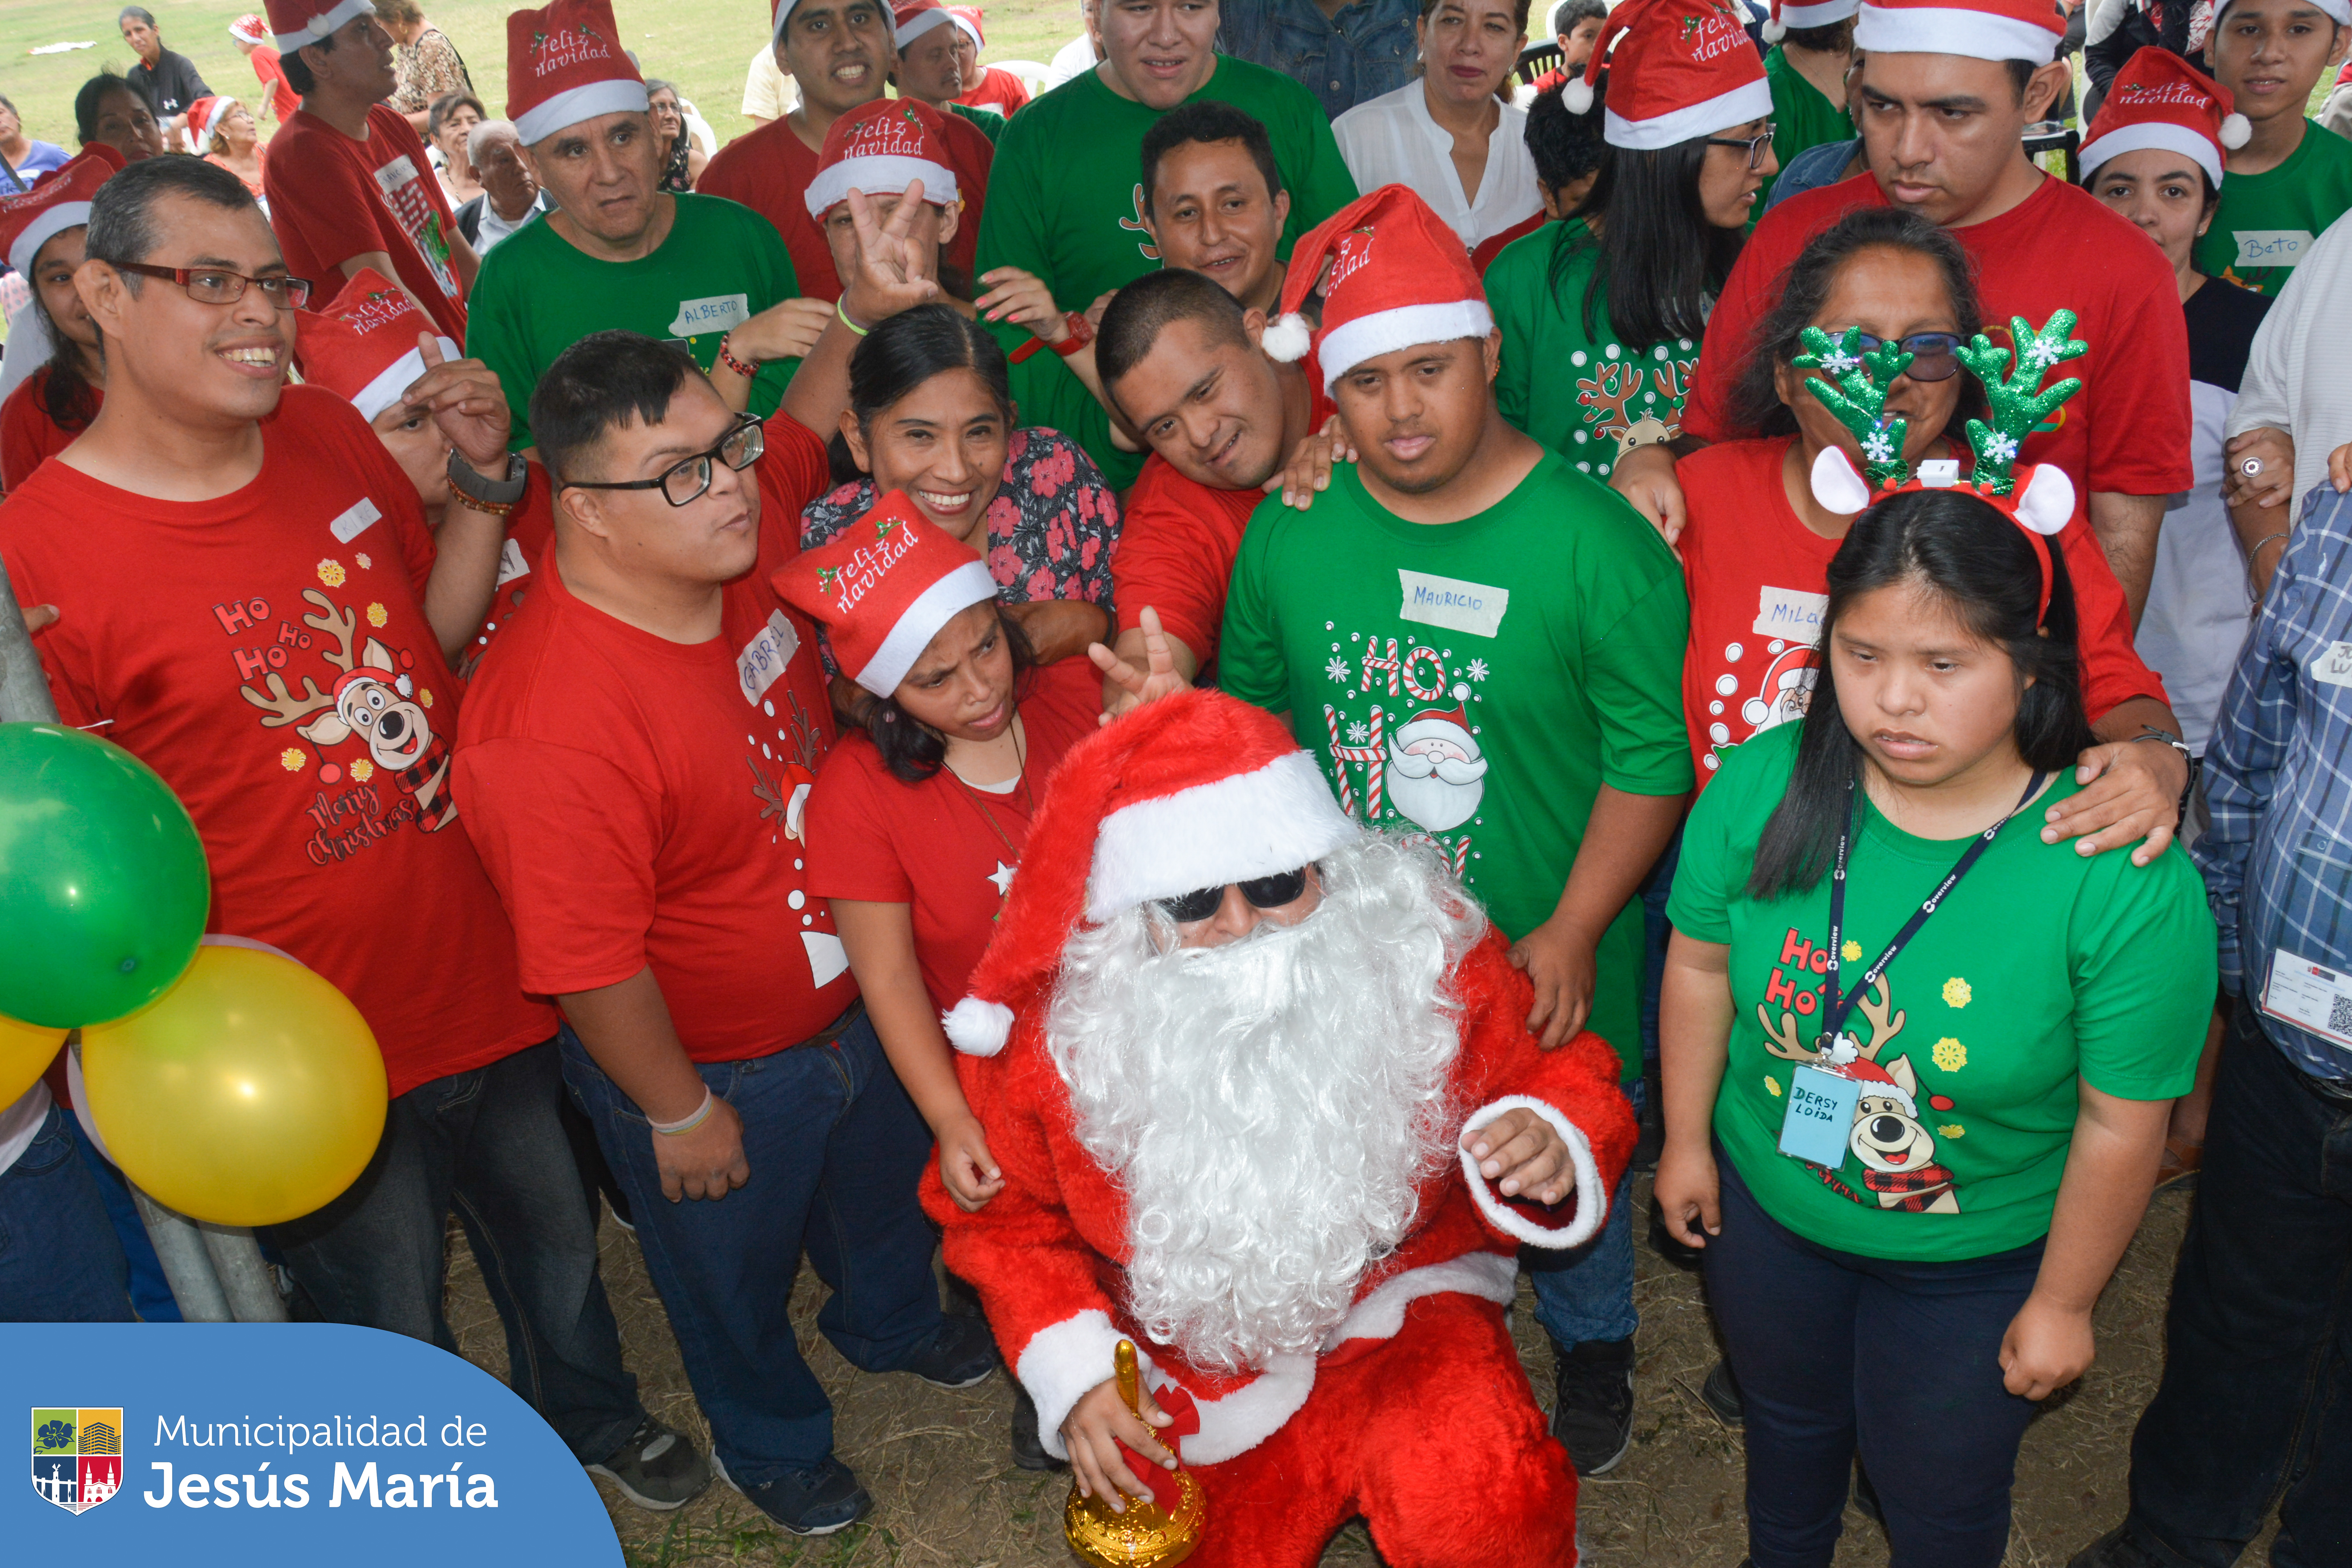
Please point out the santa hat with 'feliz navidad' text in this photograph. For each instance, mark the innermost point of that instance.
(1677, 68)
(1785, 17)
(363, 346)
(298, 24)
(2030, 30)
(1393, 275)
(879, 148)
(564, 65)
(1195, 790)
(883, 587)
(30, 219)
(2161, 101)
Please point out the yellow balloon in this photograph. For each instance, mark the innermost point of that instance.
(25, 1052)
(250, 1093)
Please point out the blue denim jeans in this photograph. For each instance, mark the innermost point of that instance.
(59, 1259)
(489, 1144)
(835, 1150)
(1586, 1294)
(2257, 1390)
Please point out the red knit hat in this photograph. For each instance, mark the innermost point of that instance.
(2159, 100)
(2028, 30)
(878, 148)
(1196, 789)
(564, 65)
(883, 589)
(361, 346)
(299, 24)
(915, 17)
(30, 219)
(1677, 68)
(1393, 275)
(1784, 18)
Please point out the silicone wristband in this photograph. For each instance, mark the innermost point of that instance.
(679, 1129)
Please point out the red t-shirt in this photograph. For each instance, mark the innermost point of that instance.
(531, 528)
(28, 437)
(209, 637)
(626, 826)
(1759, 581)
(283, 100)
(944, 848)
(998, 89)
(2126, 432)
(1177, 543)
(769, 168)
(331, 198)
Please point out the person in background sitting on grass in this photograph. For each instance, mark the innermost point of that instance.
(28, 157)
(251, 36)
(169, 82)
(2289, 179)
(60, 375)
(1813, 46)
(682, 161)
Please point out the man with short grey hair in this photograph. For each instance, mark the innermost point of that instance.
(510, 196)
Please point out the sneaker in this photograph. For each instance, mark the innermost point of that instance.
(1721, 1395)
(959, 1353)
(657, 1469)
(819, 1500)
(2115, 1549)
(1592, 1403)
(1028, 1449)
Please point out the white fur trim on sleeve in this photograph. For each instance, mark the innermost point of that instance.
(1060, 1363)
(1592, 1195)
(978, 1027)
(1242, 1419)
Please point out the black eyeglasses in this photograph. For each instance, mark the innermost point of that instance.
(683, 482)
(1933, 355)
(219, 286)
(1262, 892)
(1755, 145)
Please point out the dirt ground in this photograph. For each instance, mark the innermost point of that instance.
(948, 1495)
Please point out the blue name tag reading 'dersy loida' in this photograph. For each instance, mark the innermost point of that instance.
(1820, 1117)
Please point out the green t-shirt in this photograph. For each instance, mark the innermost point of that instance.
(988, 123)
(2040, 965)
(2266, 221)
(1802, 117)
(1584, 395)
(538, 295)
(1065, 203)
(1532, 652)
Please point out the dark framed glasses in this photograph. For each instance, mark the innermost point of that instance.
(1262, 892)
(1933, 354)
(219, 286)
(1756, 146)
(684, 482)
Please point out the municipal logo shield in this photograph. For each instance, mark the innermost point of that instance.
(77, 1456)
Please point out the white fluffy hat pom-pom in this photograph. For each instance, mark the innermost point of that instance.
(2236, 128)
(1286, 340)
(1576, 97)
(1775, 31)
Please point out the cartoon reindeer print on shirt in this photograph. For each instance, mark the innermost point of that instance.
(1896, 1151)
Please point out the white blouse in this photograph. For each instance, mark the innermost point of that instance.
(1394, 139)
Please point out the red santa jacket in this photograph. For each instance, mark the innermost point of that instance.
(1048, 1253)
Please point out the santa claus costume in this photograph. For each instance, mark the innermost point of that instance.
(1246, 1159)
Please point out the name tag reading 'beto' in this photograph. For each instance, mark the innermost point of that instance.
(1820, 1117)
(2271, 247)
(1451, 603)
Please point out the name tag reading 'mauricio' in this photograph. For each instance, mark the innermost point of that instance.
(1451, 603)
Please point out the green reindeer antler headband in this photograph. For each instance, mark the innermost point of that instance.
(1859, 398)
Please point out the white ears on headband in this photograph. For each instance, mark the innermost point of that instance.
(1835, 484)
(2045, 504)
(2047, 501)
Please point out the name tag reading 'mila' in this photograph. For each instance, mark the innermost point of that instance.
(1451, 603)
(1820, 1117)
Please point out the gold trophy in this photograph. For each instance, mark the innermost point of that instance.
(1146, 1535)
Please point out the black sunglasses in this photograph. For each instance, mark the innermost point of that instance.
(1262, 892)
(1933, 355)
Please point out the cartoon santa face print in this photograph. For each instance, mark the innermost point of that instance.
(1436, 772)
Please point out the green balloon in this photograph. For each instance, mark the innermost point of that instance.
(103, 886)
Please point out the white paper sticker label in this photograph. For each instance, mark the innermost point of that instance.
(2271, 247)
(2334, 666)
(764, 657)
(712, 313)
(355, 521)
(2310, 996)
(1451, 603)
(1790, 614)
(512, 563)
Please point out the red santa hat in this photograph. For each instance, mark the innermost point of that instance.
(249, 28)
(883, 588)
(916, 18)
(1880, 1084)
(298, 24)
(968, 18)
(1783, 17)
(1677, 68)
(30, 219)
(205, 117)
(363, 346)
(1393, 275)
(878, 148)
(2029, 30)
(564, 65)
(2161, 101)
(1196, 789)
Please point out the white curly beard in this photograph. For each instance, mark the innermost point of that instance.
(1269, 1108)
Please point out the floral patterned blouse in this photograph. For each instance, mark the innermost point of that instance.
(426, 69)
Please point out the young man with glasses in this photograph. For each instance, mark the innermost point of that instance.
(236, 564)
(635, 764)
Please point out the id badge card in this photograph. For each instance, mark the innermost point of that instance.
(1820, 1117)
(2311, 996)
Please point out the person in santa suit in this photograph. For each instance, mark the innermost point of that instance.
(1205, 966)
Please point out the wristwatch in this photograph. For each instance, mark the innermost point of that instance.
(2150, 732)
(496, 497)
(1081, 333)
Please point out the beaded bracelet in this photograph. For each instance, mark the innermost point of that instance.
(727, 358)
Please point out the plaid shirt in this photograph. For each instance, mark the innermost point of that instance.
(2278, 779)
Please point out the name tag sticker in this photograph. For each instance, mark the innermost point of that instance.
(712, 313)
(399, 172)
(2335, 667)
(512, 563)
(1790, 614)
(2311, 996)
(356, 520)
(764, 657)
(1820, 1117)
(2271, 247)
(1451, 603)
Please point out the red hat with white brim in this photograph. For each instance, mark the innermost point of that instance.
(205, 117)
(1393, 275)
(363, 346)
(913, 19)
(1677, 70)
(2029, 30)
(1783, 17)
(564, 65)
(2161, 101)
(249, 28)
(883, 588)
(1195, 790)
(968, 18)
(30, 219)
(879, 148)
(298, 24)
